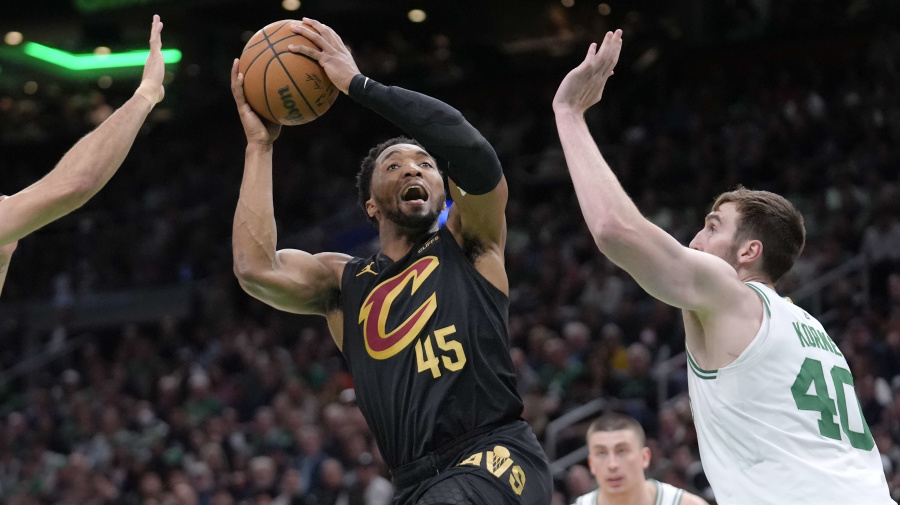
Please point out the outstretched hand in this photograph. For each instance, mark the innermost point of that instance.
(331, 54)
(583, 86)
(258, 130)
(155, 69)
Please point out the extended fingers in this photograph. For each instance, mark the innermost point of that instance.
(155, 29)
(306, 50)
(608, 54)
(312, 36)
(326, 31)
(237, 81)
(318, 26)
(310, 33)
(615, 48)
(155, 38)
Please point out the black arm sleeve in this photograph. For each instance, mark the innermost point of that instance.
(441, 129)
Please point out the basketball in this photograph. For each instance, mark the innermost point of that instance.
(282, 86)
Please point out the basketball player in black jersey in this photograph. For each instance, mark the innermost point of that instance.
(423, 323)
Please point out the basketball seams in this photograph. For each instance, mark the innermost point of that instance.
(298, 75)
(251, 46)
(271, 44)
(286, 72)
(267, 35)
(291, 77)
(264, 38)
(272, 47)
(247, 70)
(266, 70)
(265, 90)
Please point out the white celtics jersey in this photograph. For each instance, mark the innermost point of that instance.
(782, 424)
(665, 495)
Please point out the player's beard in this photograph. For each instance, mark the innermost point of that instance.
(732, 256)
(413, 222)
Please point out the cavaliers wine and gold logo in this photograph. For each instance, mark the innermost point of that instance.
(373, 315)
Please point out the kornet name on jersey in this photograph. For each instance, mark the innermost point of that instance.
(427, 345)
(782, 424)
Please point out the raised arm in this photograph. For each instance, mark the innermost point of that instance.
(667, 270)
(5, 256)
(289, 280)
(480, 191)
(91, 162)
(6, 252)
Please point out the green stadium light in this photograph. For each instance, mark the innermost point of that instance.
(91, 61)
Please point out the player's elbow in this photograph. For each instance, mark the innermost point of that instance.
(77, 191)
(246, 269)
(610, 233)
(248, 285)
(247, 273)
(252, 281)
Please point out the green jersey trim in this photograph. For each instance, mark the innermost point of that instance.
(699, 372)
(764, 298)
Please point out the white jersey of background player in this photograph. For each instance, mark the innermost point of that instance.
(773, 400)
(618, 456)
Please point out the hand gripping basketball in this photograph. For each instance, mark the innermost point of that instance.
(280, 85)
(331, 54)
(257, 130)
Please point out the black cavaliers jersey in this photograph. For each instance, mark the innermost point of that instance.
(426, 341)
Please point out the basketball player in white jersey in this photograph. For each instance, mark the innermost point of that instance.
(88, 165)
(618, 456)
(777, 417)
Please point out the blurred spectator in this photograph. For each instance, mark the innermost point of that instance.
(333, 489)
(370, 487)
(560, 370)
(579, 481)
(636, 386)
(291, 492)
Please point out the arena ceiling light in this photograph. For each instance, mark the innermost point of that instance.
(91, 61)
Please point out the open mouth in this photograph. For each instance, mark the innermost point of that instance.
(413, 193)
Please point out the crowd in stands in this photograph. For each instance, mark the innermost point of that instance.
(240, 404)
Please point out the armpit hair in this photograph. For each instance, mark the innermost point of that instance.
(473, 247)
(333, 301)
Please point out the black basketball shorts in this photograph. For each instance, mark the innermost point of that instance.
(503, 466)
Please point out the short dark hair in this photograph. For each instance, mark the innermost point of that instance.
(614, 421)
(772, 220)
(367, 168)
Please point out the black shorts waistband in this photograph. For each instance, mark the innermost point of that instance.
(440, 459)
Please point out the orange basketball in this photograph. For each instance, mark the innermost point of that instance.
(282, 86)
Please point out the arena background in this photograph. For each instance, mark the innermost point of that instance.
(134, 370)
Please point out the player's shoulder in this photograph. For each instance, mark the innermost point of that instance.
(336, 262)
(691, 499)
(671, 495)
(587, 499)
